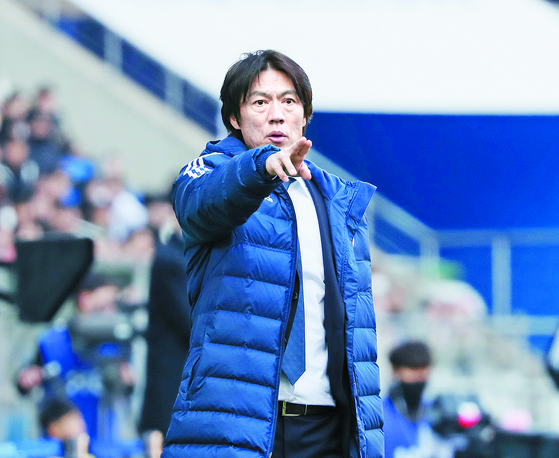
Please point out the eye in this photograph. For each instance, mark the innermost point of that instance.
(289, 101)
(259, 103)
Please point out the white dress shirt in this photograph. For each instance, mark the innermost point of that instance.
(313, 388)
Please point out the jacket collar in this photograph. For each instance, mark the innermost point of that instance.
(229, 146)
(356, 195)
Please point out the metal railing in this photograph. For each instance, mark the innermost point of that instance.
(119, 53)
(395, 231)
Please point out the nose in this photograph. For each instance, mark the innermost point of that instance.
(276, 114)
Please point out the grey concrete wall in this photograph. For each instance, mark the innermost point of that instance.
(102, 110)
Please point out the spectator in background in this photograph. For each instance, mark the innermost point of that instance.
(27, 225)
(40, 209)
(67, 218)
(80, 169)
(139, 246)
(18, 172)
(168, 332)
(44, 146)
(96, 294)
(161, 217)
(14, 123)
(61, 419)
(454, 310)
(453, 300)
(67, 366)
(404, 406)
(126, 214)
(8, 222)
(46, 104)
(114, 206)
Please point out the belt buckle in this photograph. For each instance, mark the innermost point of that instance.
(284, 411)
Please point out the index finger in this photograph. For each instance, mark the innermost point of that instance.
(301, 148)
(303, 144)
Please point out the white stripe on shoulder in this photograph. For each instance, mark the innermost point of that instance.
(196, 168)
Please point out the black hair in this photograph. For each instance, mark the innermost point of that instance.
(53, 409)
(94, 280)
(241, 76)
(414, 354)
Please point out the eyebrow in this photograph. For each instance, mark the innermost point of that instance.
(266, 94)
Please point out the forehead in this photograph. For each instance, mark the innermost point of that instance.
(271, 79)
(413, 374)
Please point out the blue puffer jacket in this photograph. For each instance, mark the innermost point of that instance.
(241, 251)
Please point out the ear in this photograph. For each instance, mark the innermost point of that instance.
(234, 123)
(304, 122)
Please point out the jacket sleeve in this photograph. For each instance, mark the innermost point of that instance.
(217, 193)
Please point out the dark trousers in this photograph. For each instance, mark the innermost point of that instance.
(308, 436)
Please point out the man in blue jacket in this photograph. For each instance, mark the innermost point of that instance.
(406, 428)
(282, 359)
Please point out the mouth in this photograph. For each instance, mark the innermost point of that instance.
(276, 137)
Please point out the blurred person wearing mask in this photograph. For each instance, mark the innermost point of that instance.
(405, 407)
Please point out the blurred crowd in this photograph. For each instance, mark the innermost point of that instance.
(48, 185)
(49, 188)
(473, 355)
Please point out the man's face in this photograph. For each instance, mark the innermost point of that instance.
(272, 112)
(102, 299)
(69, 426)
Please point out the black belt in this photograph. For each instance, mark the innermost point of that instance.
(288, 409)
